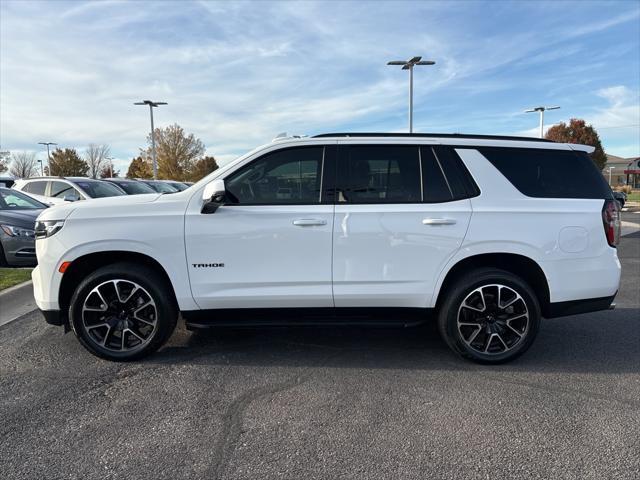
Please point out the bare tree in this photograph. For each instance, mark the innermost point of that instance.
(96, 157)
(4, 160)
(23, 164)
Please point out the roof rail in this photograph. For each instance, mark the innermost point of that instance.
(434, 135)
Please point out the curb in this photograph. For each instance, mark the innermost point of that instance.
(16, 301)
(15, 287)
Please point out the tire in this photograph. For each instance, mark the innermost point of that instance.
(504, 331)
(123, 312)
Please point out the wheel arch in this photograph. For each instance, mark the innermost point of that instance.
(520, 265)
(88, 263)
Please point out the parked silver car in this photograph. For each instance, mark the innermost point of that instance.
(18, 213)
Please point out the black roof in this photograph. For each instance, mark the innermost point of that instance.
(434, 135)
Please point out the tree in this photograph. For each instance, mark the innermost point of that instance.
(4, 161)
(107, 171)
(176, 152)
(23, 164)
(67, 163)
(140, 168)
(579, 132)
(202, 168)
(96, 156)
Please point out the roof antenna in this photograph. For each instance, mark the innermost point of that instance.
(280, 136)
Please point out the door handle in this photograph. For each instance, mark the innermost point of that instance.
(309, 222)
(438, 221)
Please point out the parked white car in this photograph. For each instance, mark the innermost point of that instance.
(67, 189)
(486, 234)
(42, 199)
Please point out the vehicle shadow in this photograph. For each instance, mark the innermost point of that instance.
(600, 342)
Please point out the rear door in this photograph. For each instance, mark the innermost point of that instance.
(398, 220)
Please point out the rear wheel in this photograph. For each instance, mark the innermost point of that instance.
(123, 312)
(489, 316)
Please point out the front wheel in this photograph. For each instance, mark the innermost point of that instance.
(123, 312)
(489, 316)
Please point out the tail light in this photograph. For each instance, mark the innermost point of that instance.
(611, 221)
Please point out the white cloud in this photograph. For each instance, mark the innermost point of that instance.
(619, 121)
(237, 73)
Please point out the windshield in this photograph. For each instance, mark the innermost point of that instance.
(14, 200)
(161, 187)
(97, 189)
(181, 187)
(135, 188)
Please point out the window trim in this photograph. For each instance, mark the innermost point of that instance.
(333, 162)
(421, 175)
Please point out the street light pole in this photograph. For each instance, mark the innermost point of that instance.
(408, 65)
(153, 139)
(541, 110)
(48, 155)
(110, 166)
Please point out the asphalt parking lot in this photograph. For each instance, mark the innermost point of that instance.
(328, 403)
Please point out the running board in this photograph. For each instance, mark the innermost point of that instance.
(304, 317)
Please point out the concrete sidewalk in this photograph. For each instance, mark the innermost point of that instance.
(16, 301)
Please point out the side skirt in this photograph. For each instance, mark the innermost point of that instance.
(288, 317)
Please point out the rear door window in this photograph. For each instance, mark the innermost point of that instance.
(379, 174)
(37, 188)
(458, 177)
(435, 185)
(549, 173)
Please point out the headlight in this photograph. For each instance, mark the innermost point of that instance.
(14, 231)
(46, 228)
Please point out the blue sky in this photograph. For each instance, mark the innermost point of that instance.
(238, 73)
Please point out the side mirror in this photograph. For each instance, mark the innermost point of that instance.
(70, 198)
(213, 196)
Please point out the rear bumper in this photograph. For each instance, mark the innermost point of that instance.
(575, 307)
(53, 317)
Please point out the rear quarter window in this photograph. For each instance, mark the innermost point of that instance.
(549, 173)
(36, 188)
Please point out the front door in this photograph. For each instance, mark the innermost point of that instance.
(270, 244)
(398, 220)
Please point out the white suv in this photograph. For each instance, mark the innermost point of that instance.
(486, 234)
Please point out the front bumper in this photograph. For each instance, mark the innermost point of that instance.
(19, 251)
